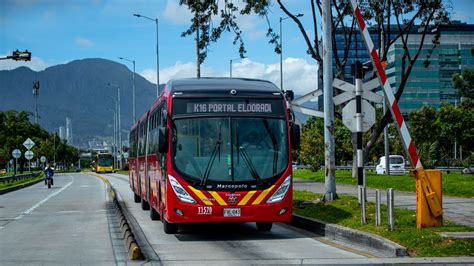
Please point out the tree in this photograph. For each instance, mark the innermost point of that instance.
(15, 128)
(312, 143)
(379, 14)
(425, 128)
(436, 131)
(464, 83)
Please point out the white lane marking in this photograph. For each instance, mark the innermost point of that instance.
(43, 201)
(69, 211)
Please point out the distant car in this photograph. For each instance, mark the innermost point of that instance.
(396, 164)
(469, 169)
(295, 165)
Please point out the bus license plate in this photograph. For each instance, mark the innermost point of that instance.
(231, 212)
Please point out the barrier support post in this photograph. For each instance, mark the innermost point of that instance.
(429, 190)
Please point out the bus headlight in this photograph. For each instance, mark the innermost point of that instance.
(281, 191)
(180, 192)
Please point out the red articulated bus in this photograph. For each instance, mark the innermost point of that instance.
(215, 150)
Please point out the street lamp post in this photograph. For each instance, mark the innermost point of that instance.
(281, 49)
(230, 64)
(157, 53)
(133, 89)
(119, 122)
(36, 87)
(114, 146)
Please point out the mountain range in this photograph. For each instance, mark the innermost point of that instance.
(78, 90)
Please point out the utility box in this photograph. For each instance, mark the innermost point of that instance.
(426, 217)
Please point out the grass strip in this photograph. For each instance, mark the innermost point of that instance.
(123, 172)
(6, 173)
(419, 242)
(4, 185)
(453, 184)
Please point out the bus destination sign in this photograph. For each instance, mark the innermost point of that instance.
(229, 108)
(208, 106)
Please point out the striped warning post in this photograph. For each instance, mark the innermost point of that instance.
(402, 126)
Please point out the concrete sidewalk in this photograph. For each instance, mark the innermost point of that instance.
(457, 210)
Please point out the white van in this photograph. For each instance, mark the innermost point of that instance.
(397, 165)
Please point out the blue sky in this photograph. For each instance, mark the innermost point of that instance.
(59, 31)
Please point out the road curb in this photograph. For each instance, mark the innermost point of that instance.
(17, 187)
(345, 234)
(130, 242)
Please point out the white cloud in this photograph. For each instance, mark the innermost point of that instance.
(177, 14)
(83, 42)
(36, 63)
(298, 75)
(249, 26)
(178, 70)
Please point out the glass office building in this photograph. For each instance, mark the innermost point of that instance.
(430, 81)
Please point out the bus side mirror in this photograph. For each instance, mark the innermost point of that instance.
(162, 140)
(295, 137)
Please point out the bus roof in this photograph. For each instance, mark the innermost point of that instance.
(221, 84)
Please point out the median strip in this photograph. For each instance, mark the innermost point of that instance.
(133, 249)
(22, 182)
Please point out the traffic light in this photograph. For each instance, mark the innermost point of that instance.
(21, 56)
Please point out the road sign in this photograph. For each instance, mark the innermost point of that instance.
(125, 155)
(43, 159)
(349, 91)
(349, 118)
(28, 144)
(16, 153)
(29, 155)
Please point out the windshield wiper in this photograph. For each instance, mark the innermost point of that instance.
(217, 149)
(274, 143)
(249, 164)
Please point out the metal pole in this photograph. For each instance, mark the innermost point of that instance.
(390, 208)
(157, 61)
(16, 165)
(230, 67)
(54, 145)
(36, 109)
(330, 180)
(198, 64)
(386, 140)
(362, 205)
(119, 128)
(377, 207)
(35, 95)
(281, 56)
(114, 146)
(133, 89)
(358, 115)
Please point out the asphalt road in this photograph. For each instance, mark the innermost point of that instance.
(68, 224)
(223, 244)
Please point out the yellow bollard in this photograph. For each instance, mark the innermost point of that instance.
(429, 208)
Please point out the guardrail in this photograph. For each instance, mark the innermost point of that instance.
(372, 168)
(13, 178)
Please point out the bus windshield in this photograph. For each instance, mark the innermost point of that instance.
(226, 149)
(105, 160)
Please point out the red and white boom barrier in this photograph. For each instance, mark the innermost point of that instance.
(432, 199)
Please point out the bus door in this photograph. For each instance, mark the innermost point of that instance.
(161, 173)
(141, 158)
(143, 161)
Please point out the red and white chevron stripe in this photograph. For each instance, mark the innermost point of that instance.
(402, 126)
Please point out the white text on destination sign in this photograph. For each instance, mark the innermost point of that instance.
(232, 108)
